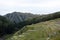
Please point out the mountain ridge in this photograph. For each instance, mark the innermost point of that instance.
(17, 17)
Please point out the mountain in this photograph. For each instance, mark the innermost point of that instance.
(30, 27)
(48, 30)
(45, 27)
(3, 25)
(17, 17)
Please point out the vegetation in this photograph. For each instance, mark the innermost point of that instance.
(38, 19)
(5, 26)
(46, 29)
(49, 30)
(17, 17)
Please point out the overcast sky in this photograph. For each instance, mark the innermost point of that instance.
(33, 6)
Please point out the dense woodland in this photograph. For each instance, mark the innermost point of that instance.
(8, 27)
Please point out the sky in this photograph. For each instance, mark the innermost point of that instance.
(29, 6)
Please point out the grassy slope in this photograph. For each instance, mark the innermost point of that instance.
(49, 30)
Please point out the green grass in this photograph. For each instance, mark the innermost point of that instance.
(49, 30)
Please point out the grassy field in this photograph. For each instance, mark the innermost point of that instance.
(49, 30)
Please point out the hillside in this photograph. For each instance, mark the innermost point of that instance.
(48, 30)
(6, 26)
(17, 17)
(44, 25)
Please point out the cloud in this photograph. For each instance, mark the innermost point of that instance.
(30, 3)
(34, 6)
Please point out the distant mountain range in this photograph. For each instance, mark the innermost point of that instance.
(17, 17)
